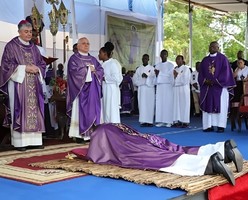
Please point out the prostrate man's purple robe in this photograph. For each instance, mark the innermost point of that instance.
(218, 70)
(89, 93)
(118, 144)
(28, 111)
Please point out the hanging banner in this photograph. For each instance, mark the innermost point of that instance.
(131, 40)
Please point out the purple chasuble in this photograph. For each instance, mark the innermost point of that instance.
(126, 88)
(89, 93)
(28, 95)
(218, 70)
(118, 144)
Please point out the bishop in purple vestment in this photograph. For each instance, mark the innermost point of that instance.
(216, 83)
(22, 73)
(84, 94)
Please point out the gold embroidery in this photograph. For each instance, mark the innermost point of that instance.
(211, 68)
(32, 117)
(32, 112)
(129, 131)
(28, 58)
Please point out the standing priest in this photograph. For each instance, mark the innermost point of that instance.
(216, 81)
(21, 77)
(84, 92)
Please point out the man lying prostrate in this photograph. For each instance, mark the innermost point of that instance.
(120, 145)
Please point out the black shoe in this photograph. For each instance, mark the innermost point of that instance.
(220, 129)
(177, 125)
(146, 125)
(79, 140)
(21, 148)
(197, 114)
(211, 129)
(143, 125)
(174, 125)
(216, 165)
(232, 154)
(35, 147)
(184, 125)
(39, 147)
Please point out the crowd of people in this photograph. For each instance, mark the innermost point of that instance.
(161, 94)
(97, 93)
(165, 91)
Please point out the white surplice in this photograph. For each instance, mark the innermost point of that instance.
(164, 93)
(181, 95)
(111, 91)
(194, 165)
(146, 93)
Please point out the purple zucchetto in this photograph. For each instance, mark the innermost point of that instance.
(23, 22)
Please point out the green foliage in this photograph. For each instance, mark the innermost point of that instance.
(207, 27)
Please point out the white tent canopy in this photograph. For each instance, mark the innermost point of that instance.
(222, 5)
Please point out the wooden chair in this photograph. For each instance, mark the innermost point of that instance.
(61, 116)
(243, 108)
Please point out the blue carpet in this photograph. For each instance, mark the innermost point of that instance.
(89, 188)
(94, 188)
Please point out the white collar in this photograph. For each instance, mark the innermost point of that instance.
(213, 55)
(23, 42)
(83, 54)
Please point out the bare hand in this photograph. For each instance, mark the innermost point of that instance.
(175, 73)
(156, 71)
(32, 69)
(195, 86)
(144, 75)
(92, 68)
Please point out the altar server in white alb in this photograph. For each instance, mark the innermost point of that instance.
(181, 93)
(110, 86)
(164, 91)
(144, 78)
